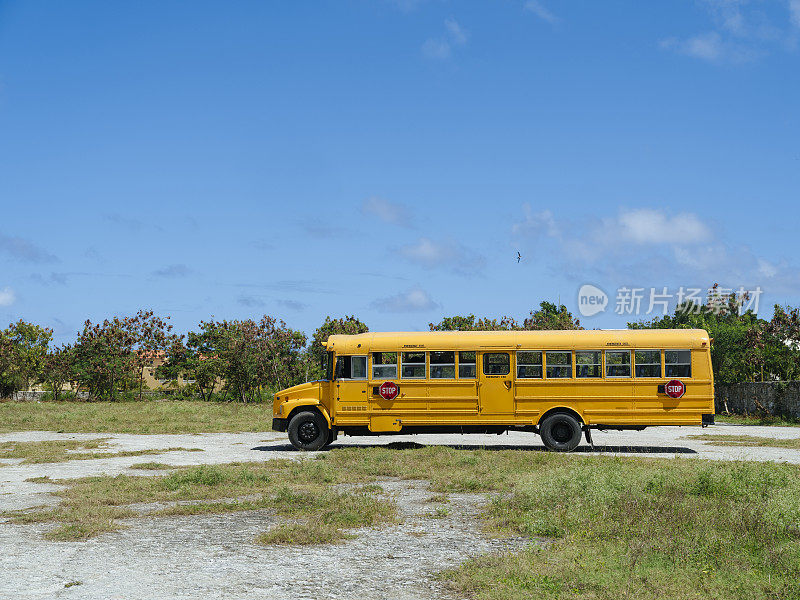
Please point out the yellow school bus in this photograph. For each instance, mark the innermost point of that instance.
(559, 384)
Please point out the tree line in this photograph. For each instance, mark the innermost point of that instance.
(244, 360)
(744, 347)
(248, 360)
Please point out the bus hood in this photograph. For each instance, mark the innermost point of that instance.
(310, 389)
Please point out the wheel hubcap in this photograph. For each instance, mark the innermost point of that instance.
(561, 432)
(308, 431)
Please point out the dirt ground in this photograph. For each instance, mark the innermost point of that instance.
(214, 556)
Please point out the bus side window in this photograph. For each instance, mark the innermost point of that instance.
(443, 365)
(466, 365)
(358, 367)
(618, 363)
(559, 364)
(351, 367)
(343, 367)
(647, 363)
(496, 363)
(529, 364)
(384, 365)
(678, 363)
(588, 363)
(412, 365)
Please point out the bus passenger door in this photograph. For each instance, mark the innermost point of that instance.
(350, 392)
(496, 386)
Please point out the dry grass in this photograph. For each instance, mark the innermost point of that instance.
(746, 440)
(135, 417)
(51, 451)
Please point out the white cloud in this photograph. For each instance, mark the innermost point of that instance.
(767, 269)
(441, 48)
(388, 212)
(740, 31)
(451, 255)
(413, 300)
(537, 224)
(794, 12)
(703, 258)
(538, 9)
(454, 31)
(648, 247)
(647, 226)
(7, 296)
(706, 46)
(437, 49)
(426, 252)
(728, 14)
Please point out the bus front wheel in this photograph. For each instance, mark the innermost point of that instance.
(308, 431)
(561, 432)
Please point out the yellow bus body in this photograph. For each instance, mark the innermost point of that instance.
(582, 373)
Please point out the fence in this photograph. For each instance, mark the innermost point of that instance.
(778, 398)
(35, 396)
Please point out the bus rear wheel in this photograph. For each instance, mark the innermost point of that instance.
(560, 432)
(308, 431)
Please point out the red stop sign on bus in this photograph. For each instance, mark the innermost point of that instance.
(675, 388)
(388, 390)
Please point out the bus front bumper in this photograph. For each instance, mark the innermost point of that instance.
(279, 424)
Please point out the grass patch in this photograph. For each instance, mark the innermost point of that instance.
(41, 479)
(51, 451)
(135, 417)
(151, 466)
(746, 440)
(438, 498)
(762, 419)
(301, 534)
(297, 491)
(644, 528)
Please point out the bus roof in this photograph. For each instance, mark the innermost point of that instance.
(596, 339)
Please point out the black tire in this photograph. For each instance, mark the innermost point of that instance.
(308, 431)
(561, 432)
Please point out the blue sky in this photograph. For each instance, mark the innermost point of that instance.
(389, 159)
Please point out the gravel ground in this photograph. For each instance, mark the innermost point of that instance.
(215, 556)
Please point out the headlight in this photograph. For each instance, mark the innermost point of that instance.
(280, 410)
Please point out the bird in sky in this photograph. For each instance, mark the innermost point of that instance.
(519, 257)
